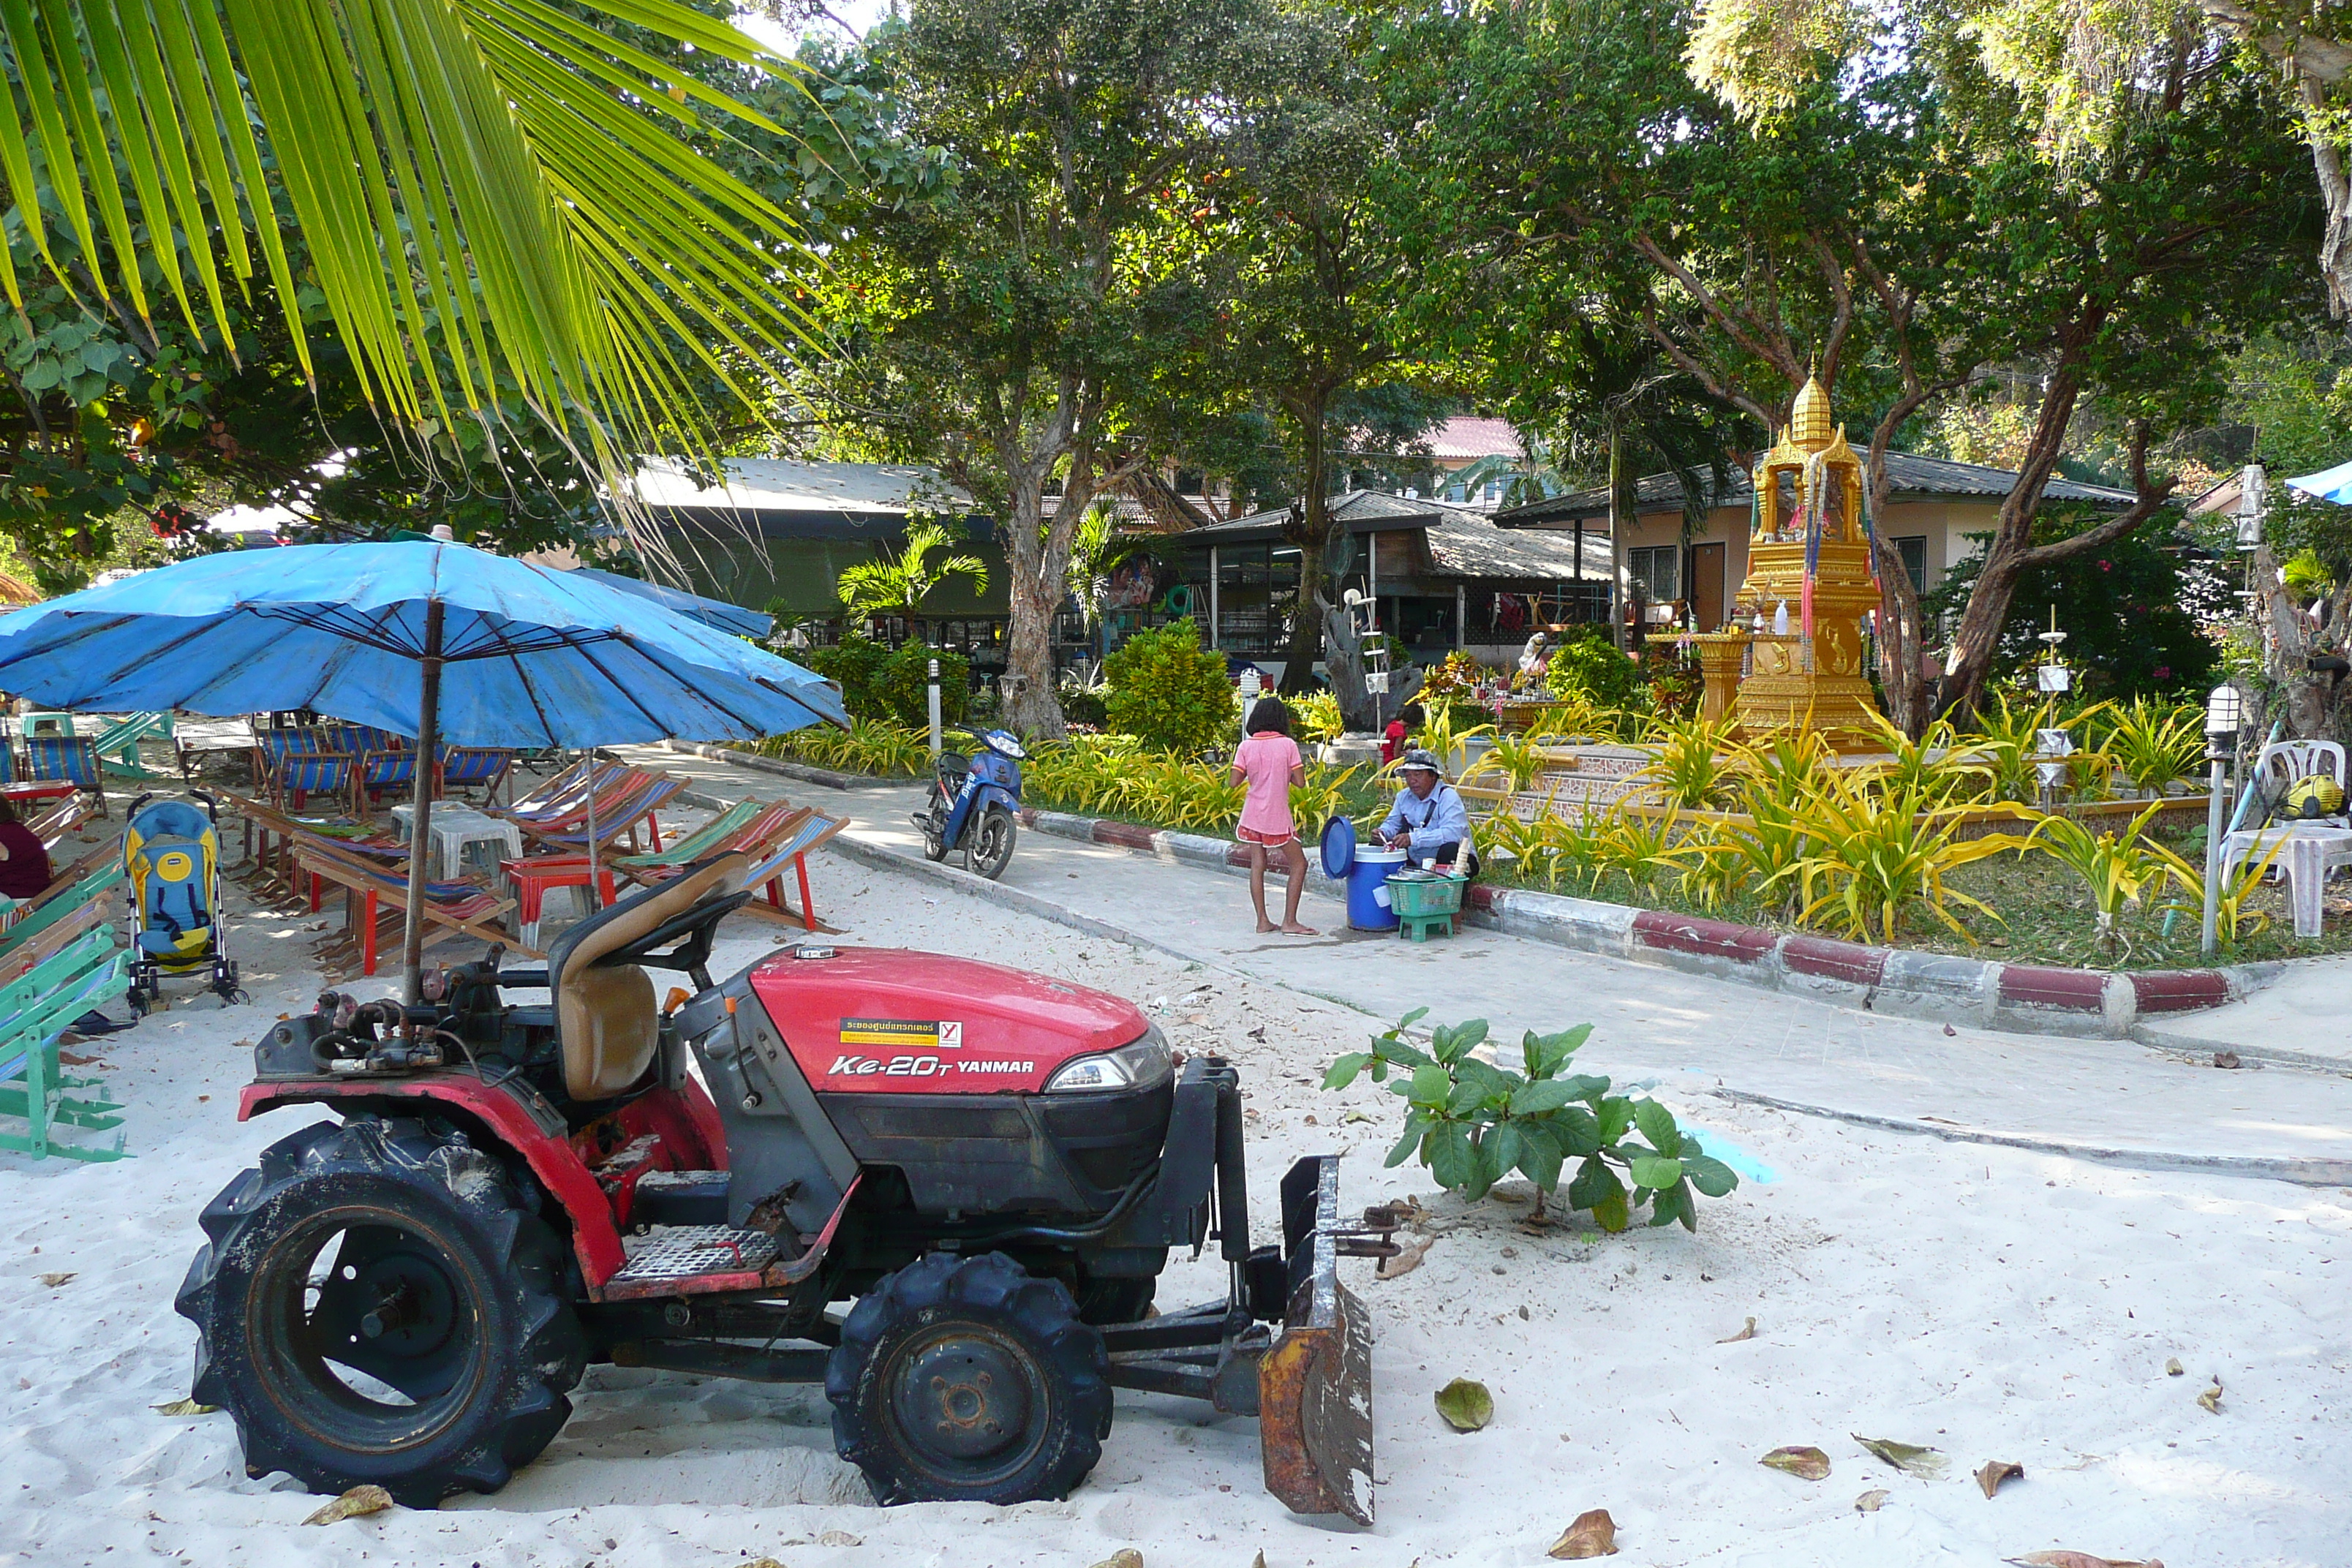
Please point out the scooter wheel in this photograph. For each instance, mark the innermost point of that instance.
(989, 844)
(934, 846)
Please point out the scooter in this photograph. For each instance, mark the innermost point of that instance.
(974, 803)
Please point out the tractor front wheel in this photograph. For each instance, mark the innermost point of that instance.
(378, 1304)
(967, 1380)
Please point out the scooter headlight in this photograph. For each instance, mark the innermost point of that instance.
(1139, 1064)
(1003, 744)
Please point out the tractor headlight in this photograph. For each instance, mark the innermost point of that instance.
(1139, 1064)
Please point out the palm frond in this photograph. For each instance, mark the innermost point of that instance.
(485, 191)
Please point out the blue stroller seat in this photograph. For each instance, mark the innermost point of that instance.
(171, 853)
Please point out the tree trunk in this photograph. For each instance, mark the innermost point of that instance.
(1313, 537)
(1035, 709)
(1901, 637)
(1968, 663)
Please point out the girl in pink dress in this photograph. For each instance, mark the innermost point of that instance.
(1270, 763)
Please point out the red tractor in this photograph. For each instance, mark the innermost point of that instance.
(989, 1166)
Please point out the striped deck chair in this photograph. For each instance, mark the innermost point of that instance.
(487, 767)
(556, 796)
(294, 764)
(789, 848)
(72, 759)
(714, 836)
(276, 861)
(379, 770)
(373, 891)
(627, 798)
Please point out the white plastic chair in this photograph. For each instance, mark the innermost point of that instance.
(2283, 762)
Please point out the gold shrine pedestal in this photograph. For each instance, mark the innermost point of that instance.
(1790, 681)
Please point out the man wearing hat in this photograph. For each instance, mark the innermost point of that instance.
(1429, 821)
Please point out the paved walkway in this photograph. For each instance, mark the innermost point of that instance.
(2135, 1103)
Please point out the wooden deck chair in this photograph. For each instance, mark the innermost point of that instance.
(713, 837)
(35, 1009)
(375, 771)
(560, 793)
(630, 798)
(467, 767)
(789, 848)
(371, 891)
(71, 759)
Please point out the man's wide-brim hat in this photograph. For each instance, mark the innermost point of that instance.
(1425, 762)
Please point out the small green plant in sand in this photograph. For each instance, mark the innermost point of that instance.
(1472, 1123)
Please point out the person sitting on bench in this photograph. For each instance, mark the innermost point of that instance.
(24, 860)
(1429, 821)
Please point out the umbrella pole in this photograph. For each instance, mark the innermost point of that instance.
(594, 903)
(420, 841)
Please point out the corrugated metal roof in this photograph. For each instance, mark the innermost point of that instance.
(1462, 543)
(1912, 475)
(781, 484)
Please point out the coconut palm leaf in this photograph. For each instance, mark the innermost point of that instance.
(485, 188)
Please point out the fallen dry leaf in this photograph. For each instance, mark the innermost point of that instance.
(1594, 1534)
(763, 1563)
(54, 1281)
(2078, 1559)
(1927, 1464)
(1466, 1405)
(353, 1504)
(1997, 1471)
(1746, 1331)
(1407, 1259)
(1810, 1464)
(2173, 1368)
(2211, 1398)
(1871, 1502)
(1125, 1557)
(182, 1407)
(843, 1538)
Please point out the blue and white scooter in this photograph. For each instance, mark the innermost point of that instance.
(973, 803)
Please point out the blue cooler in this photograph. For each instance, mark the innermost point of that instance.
(1366, 872)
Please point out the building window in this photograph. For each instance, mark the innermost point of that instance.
(1656, 572)
(1913, 548)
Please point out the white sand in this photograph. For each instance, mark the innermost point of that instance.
(1993, 1304)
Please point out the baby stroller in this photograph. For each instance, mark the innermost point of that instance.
(171, 853)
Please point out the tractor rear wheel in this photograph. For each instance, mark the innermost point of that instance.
(967, 1380)
(377, 1304)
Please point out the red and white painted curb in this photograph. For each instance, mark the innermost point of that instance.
(2016, 996)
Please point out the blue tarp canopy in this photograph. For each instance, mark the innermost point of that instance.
(533, 657)
(733, 619)
(2329, 484)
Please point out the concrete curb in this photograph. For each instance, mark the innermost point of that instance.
(1602, 917)
(799, 771)
(2309, 1172)
(1939, 988)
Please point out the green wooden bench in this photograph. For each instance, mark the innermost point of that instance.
(118, 744)
(35, 1009)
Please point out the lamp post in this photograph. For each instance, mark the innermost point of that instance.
(936, 739)
(2224, 714)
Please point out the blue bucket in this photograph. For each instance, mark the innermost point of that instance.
(1367, 873)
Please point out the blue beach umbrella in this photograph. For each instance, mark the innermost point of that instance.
(733, 619)
(437, 640)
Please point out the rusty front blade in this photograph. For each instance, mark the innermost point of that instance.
(1315, 1387)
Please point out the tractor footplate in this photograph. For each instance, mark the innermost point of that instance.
(1315, 1387)
(690, 1251)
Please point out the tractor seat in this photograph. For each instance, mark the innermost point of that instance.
(606, 1016)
